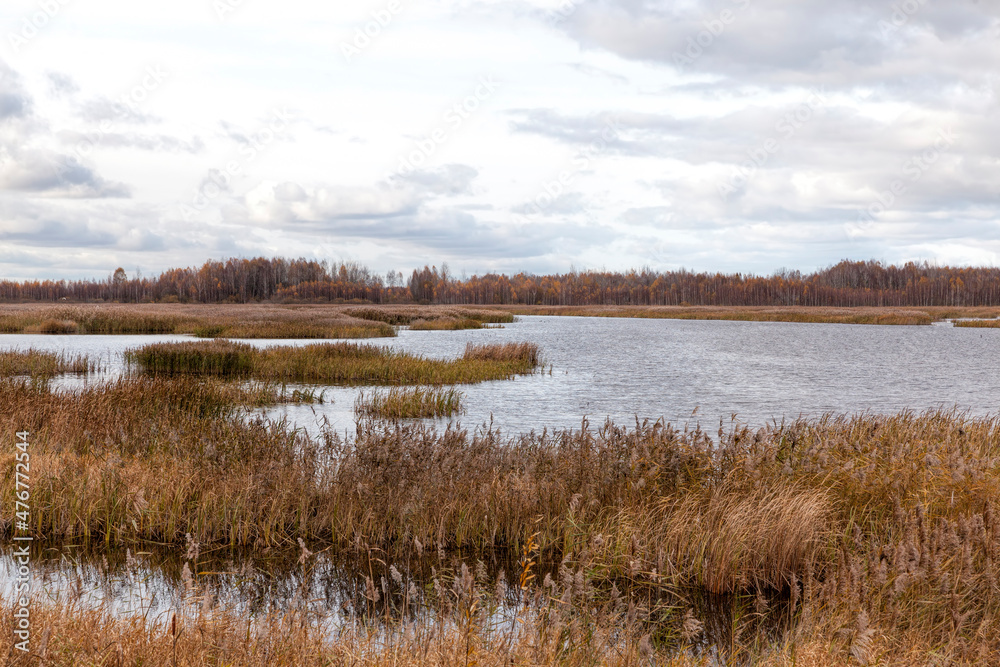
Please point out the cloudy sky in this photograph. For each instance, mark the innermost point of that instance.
(536, 135)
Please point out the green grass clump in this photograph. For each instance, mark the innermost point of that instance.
(223, 359)
(340, 363)
(35, 363)
(409, 403)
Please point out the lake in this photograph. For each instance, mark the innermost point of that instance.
(685, 371)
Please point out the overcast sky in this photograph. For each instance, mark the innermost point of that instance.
(535, 135)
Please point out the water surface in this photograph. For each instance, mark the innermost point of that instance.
(681, 370)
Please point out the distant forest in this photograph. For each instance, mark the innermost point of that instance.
(307, 281)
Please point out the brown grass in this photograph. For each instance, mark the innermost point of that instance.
(460, 635)
(978, 324)
(343, 363)
(206, 321)
(409, 403)
(803, 314)
(35, 363)
(881, 532)
(727, 539)
(429, 315)
(446, 324)
(527, 353)
(240, 320)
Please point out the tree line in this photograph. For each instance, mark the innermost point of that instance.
(849, 283)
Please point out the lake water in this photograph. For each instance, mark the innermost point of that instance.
(683, 371)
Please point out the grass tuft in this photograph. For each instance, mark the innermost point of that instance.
(342, 363)
(446, 324)
(409, 403)
(978, 324)
(35, 363)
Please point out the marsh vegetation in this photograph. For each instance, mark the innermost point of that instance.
(339, 363)
(880, 532)
(40, 364)
(409, 403)
(866, 538)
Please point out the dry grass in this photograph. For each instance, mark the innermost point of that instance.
(728, 539)
(36, 363)
(300, 330)
(881, 532)
(205, 321)
(517, 353)
(882, 316)
(241, 321)
(460, 635)
(409, 403)
(446, 324)
(978, 324)
(345, 363)
(429, 317)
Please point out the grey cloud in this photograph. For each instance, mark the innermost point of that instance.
(42, 171)
(298, 207)
(461, 234)
(451, 179)
(28, 167)
(83, 224)
(597, 132)
(770, 42)
(62, 84)
(148, 142)
(14, 100)
(56, 234)
(104, 109)
(46, 226)
(569, 203)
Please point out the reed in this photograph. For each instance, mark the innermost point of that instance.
(800, 314)
(256, 321)
(978, 324)
(36, 363)
(59, 327)
(409, 403)
(343, 363)
(881, 531)
(224, 359)
(298, 330)
(470, 626)
(428, 315)
(393, 317)
(446, 324)
(514, 353)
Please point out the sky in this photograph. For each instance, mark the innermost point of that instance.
(497, 135)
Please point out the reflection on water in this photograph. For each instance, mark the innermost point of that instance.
(365, 591)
